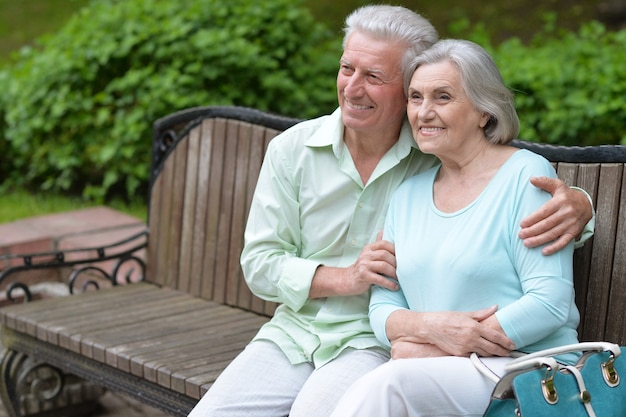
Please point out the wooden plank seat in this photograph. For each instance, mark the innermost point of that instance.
(165, 339)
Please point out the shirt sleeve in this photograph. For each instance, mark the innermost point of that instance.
(546, 281)
(591, 224)
(383, 302)
(269, 260)
(544, 307)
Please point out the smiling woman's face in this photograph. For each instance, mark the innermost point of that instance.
(440, 113)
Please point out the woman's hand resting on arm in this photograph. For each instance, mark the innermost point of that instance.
(413, 334)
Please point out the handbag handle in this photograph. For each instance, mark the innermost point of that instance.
(529, 363)
(524, 363)
(575, 347)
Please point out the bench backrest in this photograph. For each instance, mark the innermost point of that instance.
(600, 265)
(205, 167)
(206, 163)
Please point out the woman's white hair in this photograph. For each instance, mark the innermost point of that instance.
(481, 81)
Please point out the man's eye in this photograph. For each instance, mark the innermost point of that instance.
(374, 79)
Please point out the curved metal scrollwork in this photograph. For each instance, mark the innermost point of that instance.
(114, 277)
(31, 387)
(86, 265)
(28, 385)
(19, 288)
(42, 381)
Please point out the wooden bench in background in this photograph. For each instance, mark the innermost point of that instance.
(165, 339)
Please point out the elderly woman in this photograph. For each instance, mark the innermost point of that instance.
(455, 232)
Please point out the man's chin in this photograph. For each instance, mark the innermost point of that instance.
(355, 121)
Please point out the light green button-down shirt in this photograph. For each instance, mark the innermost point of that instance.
(311, 208)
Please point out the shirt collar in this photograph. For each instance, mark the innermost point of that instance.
(330, 133)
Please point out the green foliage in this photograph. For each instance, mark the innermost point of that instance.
(570, 86)
(78, 108)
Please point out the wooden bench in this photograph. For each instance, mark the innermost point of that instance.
(165, 339)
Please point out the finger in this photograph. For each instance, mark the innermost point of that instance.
(492, 349)
(550, 185)
(559, 235)
(558, 244)
(386, 282)
(495, 345)
(482, 314)
(379, 237)
(540, 220)
(383, 268)
(542, 238)
(381, 244)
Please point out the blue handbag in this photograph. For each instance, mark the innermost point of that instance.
(536, 385)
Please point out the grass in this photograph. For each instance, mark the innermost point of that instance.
(21, 204)
(22, 21)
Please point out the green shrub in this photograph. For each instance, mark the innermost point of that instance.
(79, 106)
(77, 109)
(570, 87)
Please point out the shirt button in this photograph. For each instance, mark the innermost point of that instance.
(353, 242)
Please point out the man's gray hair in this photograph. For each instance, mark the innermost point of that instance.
(394, 24)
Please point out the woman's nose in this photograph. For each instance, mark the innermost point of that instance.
(425, 110)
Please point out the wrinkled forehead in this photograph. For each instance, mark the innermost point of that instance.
(367, 51)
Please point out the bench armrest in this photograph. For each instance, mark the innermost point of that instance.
(109, 262)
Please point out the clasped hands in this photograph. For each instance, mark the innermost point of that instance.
(447, 333)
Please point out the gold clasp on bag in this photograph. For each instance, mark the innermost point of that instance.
(609, 373)
(585, 397)
(547, 387)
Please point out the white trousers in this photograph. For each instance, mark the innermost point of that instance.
(261, 382)
(429, 387)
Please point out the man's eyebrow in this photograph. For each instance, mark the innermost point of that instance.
(369, 70)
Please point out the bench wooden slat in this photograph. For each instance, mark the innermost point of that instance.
(216, 165)
(120, 356)
(189, 360)
(150, 357)
(155, 322)
(616, 309)
(595, 316)
(586, 177)
(225, 219)
(236, 293)
(159, 242)
(201, 209)
(83, 336)
(51, 315)
(192, 177)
